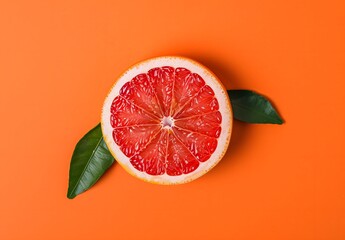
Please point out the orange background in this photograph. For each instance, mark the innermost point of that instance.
(58, 60)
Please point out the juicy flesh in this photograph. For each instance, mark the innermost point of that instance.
(166, 121)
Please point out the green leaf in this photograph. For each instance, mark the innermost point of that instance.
(251, 107)
(91, 158)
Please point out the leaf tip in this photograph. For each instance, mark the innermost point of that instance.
(71, 195)
(279, 120)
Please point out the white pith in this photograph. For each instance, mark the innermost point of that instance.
(224, 108)
(167, 122)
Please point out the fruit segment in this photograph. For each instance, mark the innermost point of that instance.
(208, 124)
(162, 80)
(203, 102)
(201, 146)
(186, 86)
(152, 159)
(124, 113)
(179, 159)
(135, 138)
(139, 92)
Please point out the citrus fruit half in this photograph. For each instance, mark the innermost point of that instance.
(167, 120)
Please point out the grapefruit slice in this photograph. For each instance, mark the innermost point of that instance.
(167, 120)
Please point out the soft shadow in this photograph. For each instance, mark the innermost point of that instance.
(239, 135)
(224, 72)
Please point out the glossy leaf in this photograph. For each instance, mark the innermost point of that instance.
(90, 159)
(251, 107)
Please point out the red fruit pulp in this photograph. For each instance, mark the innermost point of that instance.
(167, 121)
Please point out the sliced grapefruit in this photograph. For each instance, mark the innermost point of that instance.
(167, 120)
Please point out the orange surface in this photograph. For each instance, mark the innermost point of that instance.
(58, 60)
